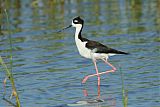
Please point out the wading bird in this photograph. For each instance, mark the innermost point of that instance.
(92, 49)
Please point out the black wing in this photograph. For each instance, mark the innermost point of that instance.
(100, 48)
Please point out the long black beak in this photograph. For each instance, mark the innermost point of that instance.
(64, 28)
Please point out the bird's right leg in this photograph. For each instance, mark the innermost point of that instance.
(113, 68)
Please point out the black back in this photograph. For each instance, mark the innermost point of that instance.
(100, 48)
(93, 45)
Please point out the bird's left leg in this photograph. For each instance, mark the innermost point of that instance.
(97, 74)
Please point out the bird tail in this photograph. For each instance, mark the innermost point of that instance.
(120, 52)
(114, 51)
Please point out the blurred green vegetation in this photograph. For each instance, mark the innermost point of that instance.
(133, 15)
(8, 70)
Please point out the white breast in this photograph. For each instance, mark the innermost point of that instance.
(83, 51)
(87, 53)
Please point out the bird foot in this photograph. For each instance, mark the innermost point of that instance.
(85, 79)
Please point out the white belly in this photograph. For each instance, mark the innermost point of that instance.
(87, 53)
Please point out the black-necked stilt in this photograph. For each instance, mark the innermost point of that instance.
(92, 49)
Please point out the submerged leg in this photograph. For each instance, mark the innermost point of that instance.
(85, 93)
(97, 74)
(98, 92)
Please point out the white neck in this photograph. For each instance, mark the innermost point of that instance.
(81, 45)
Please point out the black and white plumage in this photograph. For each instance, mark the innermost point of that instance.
(88, 48)
(92, 49)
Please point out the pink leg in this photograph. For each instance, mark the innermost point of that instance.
(85, 92)
(113, 68)
(99, 92)
(98, 74)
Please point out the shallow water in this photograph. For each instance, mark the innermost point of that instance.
(48, 68)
